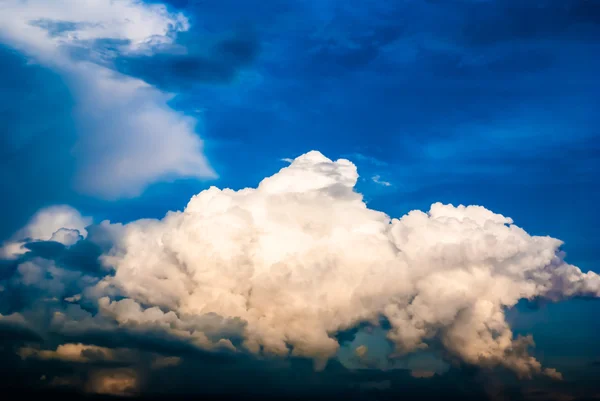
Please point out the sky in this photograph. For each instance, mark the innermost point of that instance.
(203, 188)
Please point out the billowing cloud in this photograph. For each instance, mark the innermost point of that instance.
(280, 269)
(128, 136)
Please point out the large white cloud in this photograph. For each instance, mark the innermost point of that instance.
(302, 257)
(129, 137)
(281, 268)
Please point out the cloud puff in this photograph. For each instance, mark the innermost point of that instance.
(128, 136)
(280, 269)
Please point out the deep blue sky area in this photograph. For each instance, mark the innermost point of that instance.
(485, 102)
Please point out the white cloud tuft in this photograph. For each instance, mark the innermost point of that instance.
(377, 180)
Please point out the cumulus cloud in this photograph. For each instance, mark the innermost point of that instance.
(129, 136)
(280, 269)
(301, 257)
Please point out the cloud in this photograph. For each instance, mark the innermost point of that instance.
(175, 69)
(422, 374)
(60, 223)
(14, 327)
(280, 269)
(127, 134)
(367, 159)
(48, 224)
(70, 352)
(377, 180)
(361, 351)
(121, 382)
(295, 260)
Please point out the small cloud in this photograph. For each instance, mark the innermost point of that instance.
(377, 180)
(361, 351)
(66, 236)
(553, 374)
(287, 160)
(367, 159)
(422, 374)
(74, 298)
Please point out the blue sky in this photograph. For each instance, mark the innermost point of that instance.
(484, 102)
(444, 106)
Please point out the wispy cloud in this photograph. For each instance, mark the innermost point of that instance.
(377, 180)
(128, 135)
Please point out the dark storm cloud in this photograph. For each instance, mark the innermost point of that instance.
(49, 271)
(150, 340)
(82, 256)
(13, 331)
(297, 379)
(491, 22)
(220, 64)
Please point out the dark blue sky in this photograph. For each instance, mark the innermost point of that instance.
(488, 102)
